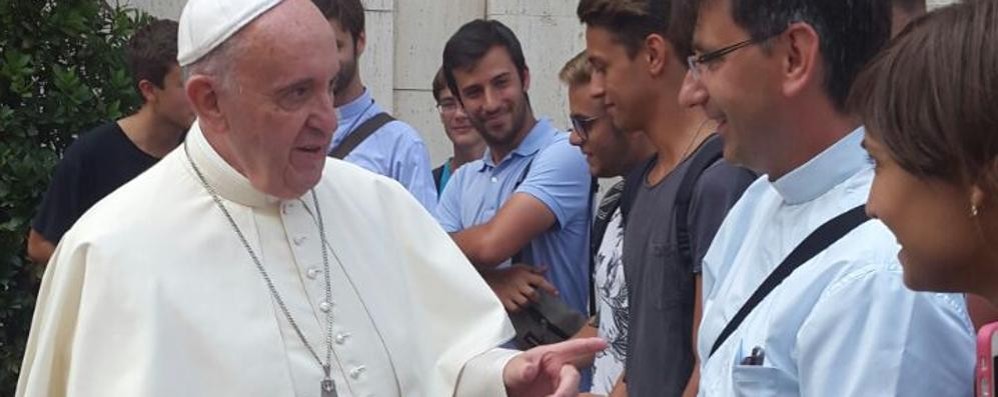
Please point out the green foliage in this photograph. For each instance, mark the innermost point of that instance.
(62, 72)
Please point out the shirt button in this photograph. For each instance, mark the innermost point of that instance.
(494, 179)
(300, 240)
(325, 306)
(313, 272)
(341, 338)
(288, 208)
(356, 372)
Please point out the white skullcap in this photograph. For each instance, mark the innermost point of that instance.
(206, 24)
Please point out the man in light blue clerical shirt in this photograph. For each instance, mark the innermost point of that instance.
(393, 148)
(776, 75)
(529, 196)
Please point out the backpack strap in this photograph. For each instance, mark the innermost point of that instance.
(819, 240)
(363, 131)
(601, 220)
(706, 156)
(632, 184)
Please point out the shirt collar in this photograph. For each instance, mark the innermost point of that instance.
(355, 107)
(825, 171)
(227, 182)
(533, 142)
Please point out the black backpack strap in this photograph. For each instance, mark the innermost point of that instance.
(710, 153)
(364, 130)
(632, 183)
(601, 220)
(820, 239)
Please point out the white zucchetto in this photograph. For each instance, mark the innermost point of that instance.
(206, 24)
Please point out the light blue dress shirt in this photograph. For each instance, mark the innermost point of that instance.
(559, 178)
(395, 150)
(843, 324)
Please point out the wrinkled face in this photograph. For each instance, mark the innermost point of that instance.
(456, 123)
(931, 218)
(494, 97)
(171, 103)
(279, 111)
(623, 81)
(605, 147)
(346, 48)
(739, 91)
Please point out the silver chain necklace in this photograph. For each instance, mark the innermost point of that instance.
(327, 386)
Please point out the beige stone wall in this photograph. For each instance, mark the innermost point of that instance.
(406, 39)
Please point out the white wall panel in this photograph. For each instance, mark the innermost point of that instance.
(423, 28)
(377, 63)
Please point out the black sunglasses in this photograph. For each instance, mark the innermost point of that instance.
(582, 124)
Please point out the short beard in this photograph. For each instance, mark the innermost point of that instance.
(348, 71)
(508, 137)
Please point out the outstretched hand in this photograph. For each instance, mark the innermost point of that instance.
(547, 370)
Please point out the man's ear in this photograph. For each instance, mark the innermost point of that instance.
(800, 50)
(658, 53)
(526, 79)
(148, 90)
(202, 93)
(360, 44)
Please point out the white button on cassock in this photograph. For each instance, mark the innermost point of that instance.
(356, 372)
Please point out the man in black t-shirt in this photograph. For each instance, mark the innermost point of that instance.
(110, 155)
(680, 196)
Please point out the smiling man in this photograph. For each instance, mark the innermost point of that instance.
(829, 314)
(680, 195)
(610, 153)
(467, 143)
(258, 266)
(529, 196)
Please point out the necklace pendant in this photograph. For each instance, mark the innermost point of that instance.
(328, 388)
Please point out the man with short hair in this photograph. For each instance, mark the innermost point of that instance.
(681, 194)
(367, 136)
(467, 143)
(112, 154)
(232, 282)
(610, 153)
(829, 313)
(529, 195)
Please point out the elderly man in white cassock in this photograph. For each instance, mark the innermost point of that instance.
(246, 263)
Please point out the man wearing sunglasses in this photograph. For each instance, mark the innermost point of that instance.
(680, 196)
(610, 153)
(803, 295)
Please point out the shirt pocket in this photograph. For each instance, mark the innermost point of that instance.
(761, 381)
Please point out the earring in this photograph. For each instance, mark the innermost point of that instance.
(974, 211)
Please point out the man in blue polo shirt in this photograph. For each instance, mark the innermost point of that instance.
(529, 196)
(393, 148)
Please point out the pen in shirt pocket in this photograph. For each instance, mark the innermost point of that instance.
(758, 357)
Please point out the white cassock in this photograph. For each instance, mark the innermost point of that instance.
(152, 294)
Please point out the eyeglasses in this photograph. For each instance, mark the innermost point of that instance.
(448, 106)
(696, 63)
(582, 124)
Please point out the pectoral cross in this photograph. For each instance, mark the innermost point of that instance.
(328, 387)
